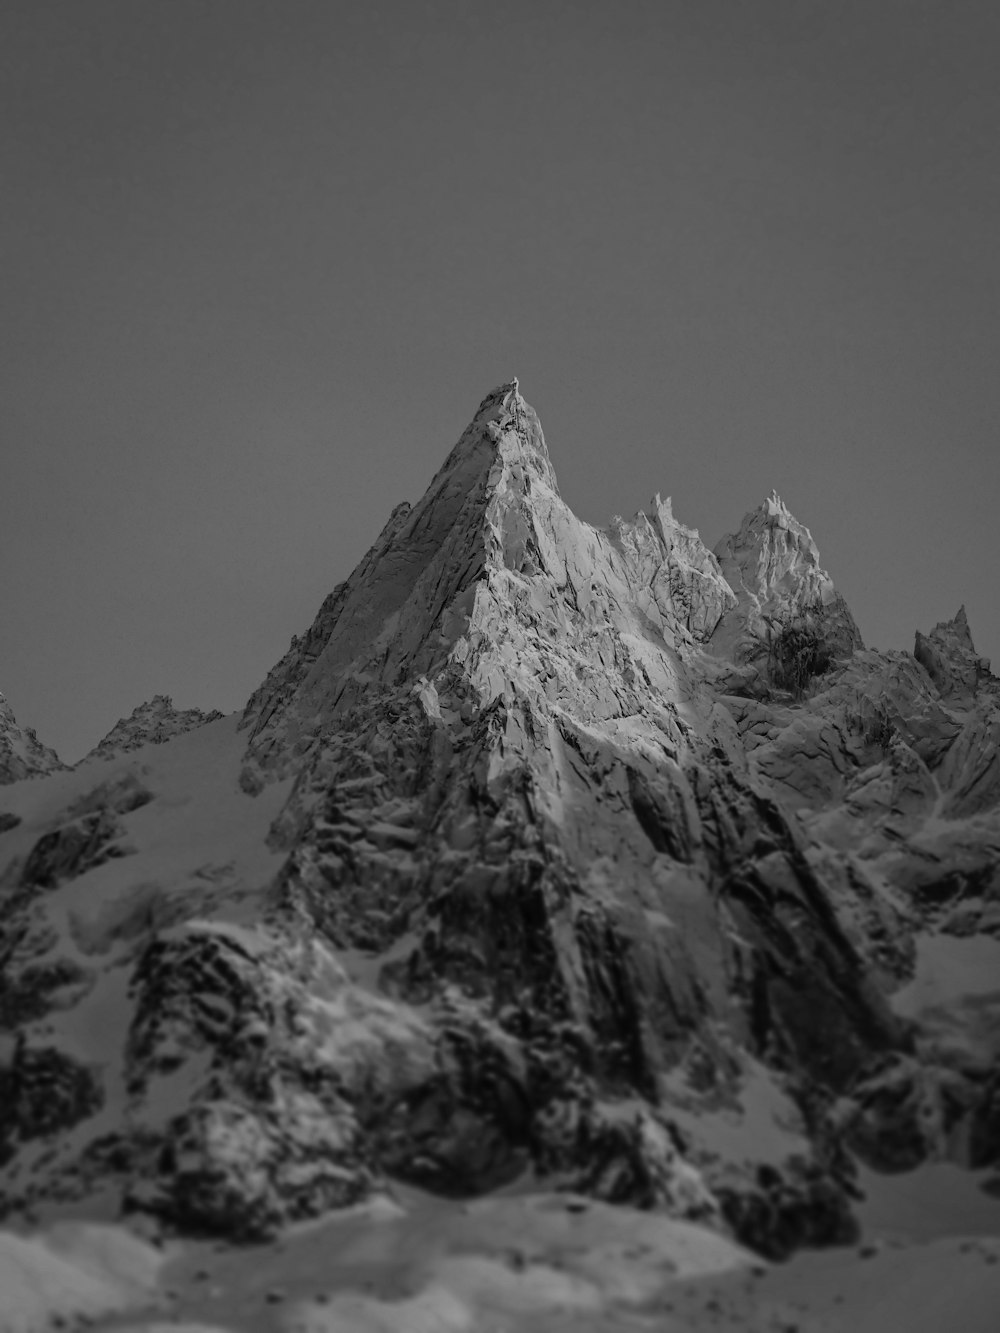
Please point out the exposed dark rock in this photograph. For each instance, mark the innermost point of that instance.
(31, 992)
(73, 849)
(789, 1209)
(42, 1091)
(984, 1131)
(273, 1127)
(119, 795)
(902, 1112)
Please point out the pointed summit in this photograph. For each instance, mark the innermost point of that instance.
(772, 565)
(775, 507)
(949, 657)
(403, 607)
(491, 558)
(769, 545)
(504, 424)
(773, 555)
(961, 625)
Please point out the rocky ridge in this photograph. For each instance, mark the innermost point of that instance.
(151, 723)
(595, 855)
(22, 755)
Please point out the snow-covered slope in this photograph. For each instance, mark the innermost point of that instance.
(74, 1276)
(104, 859)
(581, 855)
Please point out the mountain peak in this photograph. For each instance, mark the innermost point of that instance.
(772, 565)
(492, 530)
(508, 390)
(775, 507)
(22, 755)
(505, 426)
(771, 548)
(773, 515)
(412, 593)
(949, 656)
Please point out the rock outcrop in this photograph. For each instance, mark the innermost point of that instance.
(949, 657)
(22, 755)
(602, 856)
(152, 723)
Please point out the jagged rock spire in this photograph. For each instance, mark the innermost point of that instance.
(949, 656)
(410, 597)
(682, 573)
(22, 755)
(772, 565)
(505, 427)
(772, 549)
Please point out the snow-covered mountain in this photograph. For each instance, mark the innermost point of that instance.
(151, 723)
(590, 857)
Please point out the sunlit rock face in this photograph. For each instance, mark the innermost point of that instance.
(22, 755)
(590, 853)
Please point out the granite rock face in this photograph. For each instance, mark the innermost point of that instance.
(152, 723)
(593, 853)
(22, 755)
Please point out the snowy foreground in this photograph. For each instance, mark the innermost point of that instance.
(524, 1262)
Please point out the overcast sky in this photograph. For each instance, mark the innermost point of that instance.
(261, 261)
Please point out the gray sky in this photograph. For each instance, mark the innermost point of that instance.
(261, 261)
